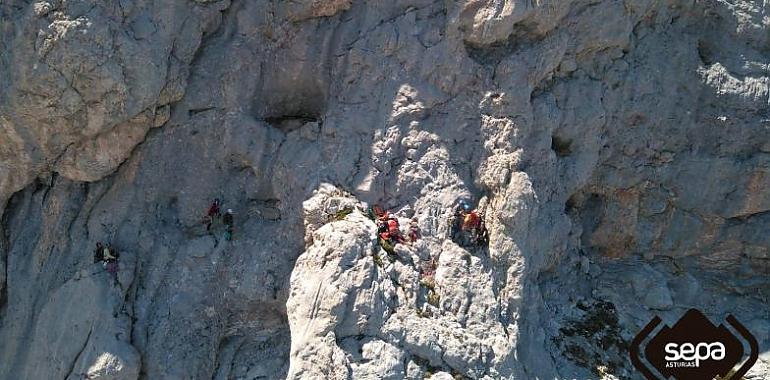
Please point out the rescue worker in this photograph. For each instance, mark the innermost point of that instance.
(107, 253)
(376, 213)
(455, 220)
(380, 218)
(389, 235)
(227, 219)
(98, 254)
(383, 238)
(111, 260)
(394, 231)
(471, 220)
(467, 226)
(414, 230)
(213, 212)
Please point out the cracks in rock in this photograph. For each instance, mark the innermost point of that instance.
(131, 303)
(191, 113)
(108, 184)
(71, 83)
(358, 163)
(55, 162)
(80, 352)
(522, 36)
(425, 363)
(48, 188)
(214, 36)
(392, 19)
(219, 371)
(598, 324)
(747, 217)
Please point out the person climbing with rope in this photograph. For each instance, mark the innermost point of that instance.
(467, 226)
(388, 228)
(213, 212)
(228, 221)
(99, 253)
(108, 255)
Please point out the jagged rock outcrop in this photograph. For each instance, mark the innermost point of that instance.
(620, 152)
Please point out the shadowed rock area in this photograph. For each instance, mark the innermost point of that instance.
(619, 151)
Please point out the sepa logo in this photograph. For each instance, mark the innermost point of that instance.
(694, 349)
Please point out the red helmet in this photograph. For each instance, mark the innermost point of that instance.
(392, 223)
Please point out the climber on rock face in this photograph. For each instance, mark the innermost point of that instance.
(471, 220)
(99, 253)
(467, 226)
(377, 213)
(108, 253)
(227, 219)
(414, 230)
(394, 230)
(385, 241)
(110, 258)
(389, 234)
(380, 217)
(213, 212)
(456, 219)
(388, 229)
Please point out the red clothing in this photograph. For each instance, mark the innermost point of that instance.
(213, 210)
(393, 227)
(471, 220)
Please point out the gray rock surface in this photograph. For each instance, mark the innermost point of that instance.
(620, 150)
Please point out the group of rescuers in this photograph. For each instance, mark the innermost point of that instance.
(108, 255)
(466, 226)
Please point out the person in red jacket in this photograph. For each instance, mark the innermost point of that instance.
(213, 212)
(468, 226)
(389, 235)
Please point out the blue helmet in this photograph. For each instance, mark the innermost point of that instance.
(465, 205)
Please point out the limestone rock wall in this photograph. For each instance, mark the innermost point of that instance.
(621, 150)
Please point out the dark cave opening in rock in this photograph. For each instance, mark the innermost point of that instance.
(300, 114)
(570, 207)
(289, 103)
(288, 109)
(705, 52)
(288, 123)
(561, 146)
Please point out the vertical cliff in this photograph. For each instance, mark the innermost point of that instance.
(620, 151)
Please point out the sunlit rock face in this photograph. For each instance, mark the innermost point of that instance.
(618, 150)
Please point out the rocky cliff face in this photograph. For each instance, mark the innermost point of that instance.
(621, 150)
